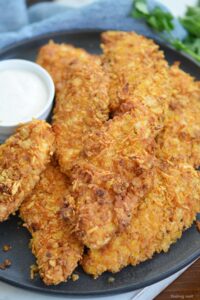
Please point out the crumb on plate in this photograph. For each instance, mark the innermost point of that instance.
(198, 225)
(33, 271)
(75, 277)
(6, 264)
(111, 279)
(6, 248)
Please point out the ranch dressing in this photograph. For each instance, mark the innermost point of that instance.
(23, 94)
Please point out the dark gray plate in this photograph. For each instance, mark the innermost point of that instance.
(161, 266)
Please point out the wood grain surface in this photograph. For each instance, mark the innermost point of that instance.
(187, 286)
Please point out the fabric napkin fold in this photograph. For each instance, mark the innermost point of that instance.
(20, 23)
(14, 15)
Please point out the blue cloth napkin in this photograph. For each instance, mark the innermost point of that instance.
(18, 23)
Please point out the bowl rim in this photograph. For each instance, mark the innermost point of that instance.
(44, 76)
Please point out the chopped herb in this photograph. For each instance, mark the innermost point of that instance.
(162, 21)
(157, 19)
(191, 21)
(179, 45)
(140, 9)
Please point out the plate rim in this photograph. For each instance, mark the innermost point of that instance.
(52, 34)
(129, 287)
(114, 291)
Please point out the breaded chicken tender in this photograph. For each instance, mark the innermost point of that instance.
(169, 208)
(114, 176)
(56, 249)
(118, 159)
(81, 100)
(81, 107)
(22, 159)
(137, 70)
(180, 138)
(55, 58)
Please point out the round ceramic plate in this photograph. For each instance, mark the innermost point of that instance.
(161, 266)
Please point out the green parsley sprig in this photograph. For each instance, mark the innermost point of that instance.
(162, 21)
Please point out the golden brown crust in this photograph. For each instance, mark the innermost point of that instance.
(137, 70)
(116, 173)
(167, 210)
(56, 249)
(117, 168)
(22, 159)
(122, 202)
(81, 107)
(81, 100)
(55, 58)
(180, 138)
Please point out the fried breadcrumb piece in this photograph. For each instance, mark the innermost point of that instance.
(180, 138)
(169, 208)
(55, 247)
(55, 58)
(114, 176)
(6, 264)
(33, 271)
(22, 159)
(82, 106)
(137, 70)
(75, 277)
(6, 248)
(198, 225)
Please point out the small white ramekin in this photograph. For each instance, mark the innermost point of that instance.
(5, 129)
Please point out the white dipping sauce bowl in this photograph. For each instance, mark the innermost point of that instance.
(19, 64)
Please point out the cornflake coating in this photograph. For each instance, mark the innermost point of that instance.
(180, 138)
(55, 58)
(169, 208)
(118, 166)
(5, 264)
(116, 173)
(22, 159)
(56, 249)
(137, 70)
(82, 106)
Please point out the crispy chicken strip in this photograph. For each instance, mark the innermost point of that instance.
(168, 210)
(118, 162)
(55, 58)
(56, 249)
(22, 159)
(116, 173)
(82, 106)
(82, 100)
(180, 138)
(137, 70)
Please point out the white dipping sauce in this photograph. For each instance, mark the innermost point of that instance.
(23, 95)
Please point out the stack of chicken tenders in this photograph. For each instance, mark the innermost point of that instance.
(113, 180)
